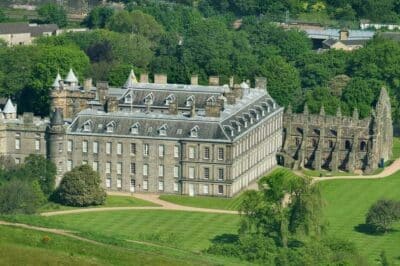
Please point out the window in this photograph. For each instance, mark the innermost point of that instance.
(84, 146)
(161, 170)
(194, 132)
(145, 169)
(119, 168)
(60, 147)
(69, 146)
(160, 185)
(220, 189)
(95, 166)
(135, 129)
(133, 168)
(220, 153)
(119, 148)
(69, 165)
(161, 150)
(206, 173)
(176, 151)
(176, 187)
(145, 184)
(110, 127)
(84, 162)
(191, 172)
(206, 153)
(330, 144)
(347, 145)
(220, 174)
(205, 189)
(363, 146)
(108, 168)
(176, 171)
(17, 144)
(17, 160)
(87, 126)
(191, 152)
(108, 148)
(128, 98)
(146, 150)
(37, 144)
(108, 182)
(119, 183)
(163, 130)
(95, 147)
(133, 148)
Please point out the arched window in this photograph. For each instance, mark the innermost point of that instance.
(298, 141)
(314, 142)
(347, 145)
(363, 146)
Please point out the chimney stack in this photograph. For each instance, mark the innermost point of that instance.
(144, 78)
(230, 97)
(87, 84)
(102, 91)
(193, 109)
(173, 108)
(112, 105)
(261, 83)
(213, 109)
(213, 80)
(194, 80)
(160, 79)
(231, 82)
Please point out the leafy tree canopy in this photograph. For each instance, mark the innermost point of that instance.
(53, 13)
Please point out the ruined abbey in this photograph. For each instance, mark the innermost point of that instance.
(320, 141)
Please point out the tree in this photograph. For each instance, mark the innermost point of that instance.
(98, 17)
(17, 196)
(39, 169)
(382, 214)
(53, 13)
(3, 16)
(81, 187)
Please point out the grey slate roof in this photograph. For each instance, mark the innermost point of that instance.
(22, 27)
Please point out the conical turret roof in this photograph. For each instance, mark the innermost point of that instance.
(56, 83)
(9, 108)
(71, 77)
(131, 80)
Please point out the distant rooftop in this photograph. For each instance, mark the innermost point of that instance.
(23, 27)
(324, 34)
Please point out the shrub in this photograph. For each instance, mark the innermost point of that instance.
(382, 214)
(81, 187)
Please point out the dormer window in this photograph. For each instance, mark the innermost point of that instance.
(163, 130)
(194, 132)
(170, 99)
(128, 98)
(149, 99)
(230, 129)
(135, 129)
(110, 127)
(211, 99)
(87, 126)
(190, 101)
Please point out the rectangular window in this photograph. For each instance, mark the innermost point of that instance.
(191, 152)
(95, 147)
(84, 162)
(69, 146)
(108, 182)
(108, 148)
(17, 144)
(95, 166)
(176, 187)
(176, 171)
(206, 173)
(220, 189)
(60, 147)
(119, 183)
(176, 151)
(191, 172)
(161, 170)
(119, 168)
(17, 160)
(206, 153)
(220, 153)
(160, 185)
(145, 169)
(133, 148)
(161, 150)
(119, 148)
(145, 184)
(133, 168)
(108, 167)
(69, 165)
(146, 150)
(205, 189)
(220, 174)
(37, 144)
(84, 146)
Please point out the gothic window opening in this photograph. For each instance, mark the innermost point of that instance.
(363, 146)
(347, 145)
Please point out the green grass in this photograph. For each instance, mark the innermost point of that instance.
(111, 201)
(205, 202)
(316, 173)
(26, 247)
(396, 148)
(347, 204)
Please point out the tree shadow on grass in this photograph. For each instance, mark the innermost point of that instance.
(225, 239)
(369, 230)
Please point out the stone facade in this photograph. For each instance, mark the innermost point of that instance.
(320, 141)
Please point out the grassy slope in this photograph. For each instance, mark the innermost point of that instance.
(111, 201)
(205, 202)
(347, 203)
(25, 247)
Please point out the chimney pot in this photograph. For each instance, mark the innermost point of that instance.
(87, 84)
(144, 78)
(213, 80)
(194, 80)
(160, 79)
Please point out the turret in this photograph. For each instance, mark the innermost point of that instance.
(130, 80)
(10, 111)
(71, 78)
(57, 82)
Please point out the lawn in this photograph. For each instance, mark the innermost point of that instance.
(347, 203)
(205, 202)
(111, 201)
(26, 247)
